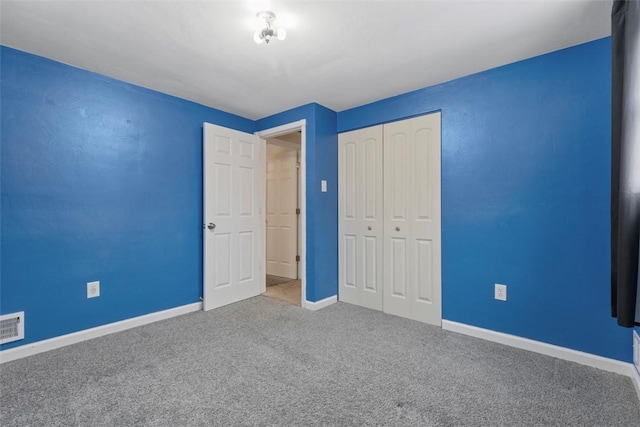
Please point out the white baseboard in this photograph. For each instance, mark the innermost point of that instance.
(604, 363)
(636, 362)
(635, 377)
(76, 337)
(309, 305)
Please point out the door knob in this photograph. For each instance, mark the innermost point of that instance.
(369, 228)
(397, 228)
(211, 226)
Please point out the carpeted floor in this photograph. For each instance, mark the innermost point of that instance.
(262, 363)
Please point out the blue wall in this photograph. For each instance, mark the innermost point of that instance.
(101, 180)
(322, 208)
(525, 195)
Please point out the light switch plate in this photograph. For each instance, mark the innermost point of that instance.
(323, 185)
(93, 289)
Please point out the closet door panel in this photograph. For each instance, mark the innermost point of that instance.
(370, 157)
(423, 188)
(396, 167)
(348, 211)
(371, 250)
(372, 179)
(397, 227)
(347, 200)
(424, 267)
(350, 180)
(398, 268)
(350, 264)
(425, 291)
(360, 217)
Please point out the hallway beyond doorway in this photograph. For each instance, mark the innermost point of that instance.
(287, 292)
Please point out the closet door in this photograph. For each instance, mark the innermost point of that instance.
(397, 215)
(412, 242)
(360, 217)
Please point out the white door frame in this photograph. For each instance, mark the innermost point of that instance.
(274, 132)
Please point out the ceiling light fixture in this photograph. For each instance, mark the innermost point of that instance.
(267, 18)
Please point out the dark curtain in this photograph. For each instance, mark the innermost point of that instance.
(625, 160)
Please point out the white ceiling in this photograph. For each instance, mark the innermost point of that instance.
(340, 54)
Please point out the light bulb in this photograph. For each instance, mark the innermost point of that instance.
(257, 37)
(282, 34)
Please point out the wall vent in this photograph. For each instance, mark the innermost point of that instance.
(636, 350)
(11, 327)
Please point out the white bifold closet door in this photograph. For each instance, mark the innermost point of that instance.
(412, 236)
(360, 217)
(389, 218)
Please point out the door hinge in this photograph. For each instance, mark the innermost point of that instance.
(297, 211)
(297, 258)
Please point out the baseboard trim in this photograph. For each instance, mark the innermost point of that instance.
(310, 305)
(636, 362)
(604, 363)
(635, 377)
(99, 331)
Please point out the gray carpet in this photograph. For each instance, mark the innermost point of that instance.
(262, 362)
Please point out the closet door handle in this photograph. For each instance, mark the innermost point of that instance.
(397, 228)
(369, 228)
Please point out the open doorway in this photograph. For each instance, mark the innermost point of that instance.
(282, 218)
(283, 228)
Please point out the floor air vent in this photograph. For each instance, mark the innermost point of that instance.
(11, 327)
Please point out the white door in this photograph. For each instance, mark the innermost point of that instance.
(412, 236)
(233, 189)
(282, 221)
(360, 217)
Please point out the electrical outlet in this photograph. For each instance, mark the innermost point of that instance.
(93, 289)
(501, 292)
